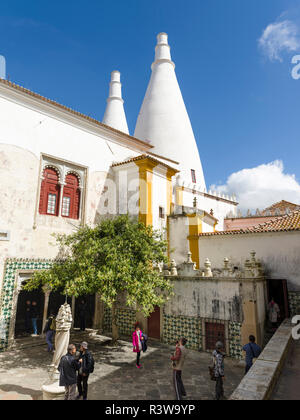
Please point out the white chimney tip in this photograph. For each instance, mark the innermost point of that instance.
(115, 76)
(162, 38)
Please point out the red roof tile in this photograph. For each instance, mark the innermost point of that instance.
(287, 223)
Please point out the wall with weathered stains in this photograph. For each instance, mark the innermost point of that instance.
(206, 298)
(279, 253)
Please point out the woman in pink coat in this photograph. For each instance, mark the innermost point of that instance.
(137, 338)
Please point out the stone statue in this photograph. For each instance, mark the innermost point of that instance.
(62, 336)
(51, 389)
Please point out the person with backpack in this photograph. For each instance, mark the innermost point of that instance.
(253, 351)
(137, 342)
(218, 363)
(49, 330)
(87, 365)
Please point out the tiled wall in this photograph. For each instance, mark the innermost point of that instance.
(175, 327)
(7, 293)
(234, 337)
(294, 300)
(126, 318)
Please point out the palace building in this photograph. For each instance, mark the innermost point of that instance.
(60, 169)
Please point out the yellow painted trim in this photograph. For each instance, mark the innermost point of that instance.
(179, 196)
(195, 228)
(146, 190)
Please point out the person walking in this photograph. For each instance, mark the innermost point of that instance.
(253, 351)
(86, 368)
(28, 317)
(82, 315)
(49, 330)
(178, 362)
(137, 338)
(274, 313)
(34, 313)
(218, 360)
(68, 368)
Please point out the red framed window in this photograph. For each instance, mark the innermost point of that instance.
(193, 172)
(71, 197)
(50, 192)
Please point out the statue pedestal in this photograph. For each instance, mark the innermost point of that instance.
(53, 392)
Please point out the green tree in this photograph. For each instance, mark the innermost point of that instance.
(117, 257)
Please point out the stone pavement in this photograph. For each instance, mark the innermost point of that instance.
(288, 386)
(116, 377)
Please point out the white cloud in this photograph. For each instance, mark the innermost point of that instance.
(280, 37)
(262, 186)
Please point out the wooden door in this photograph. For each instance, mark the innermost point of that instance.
(214, 332)
(154, 324)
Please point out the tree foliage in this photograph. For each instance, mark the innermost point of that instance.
(116, 257)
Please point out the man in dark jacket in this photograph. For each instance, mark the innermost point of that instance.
(253, 351)
(68, 368)
(86, 362)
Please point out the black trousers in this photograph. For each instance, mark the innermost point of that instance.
(138, 356)
(82, 385)
(82, 323)
(178, 385)
(219, 388)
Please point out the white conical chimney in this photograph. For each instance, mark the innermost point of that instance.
(114, 115)
(163, 119)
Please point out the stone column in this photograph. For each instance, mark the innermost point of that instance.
(73, 310)
(47, 291)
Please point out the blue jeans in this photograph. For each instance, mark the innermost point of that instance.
(49, 337)
(34, 325)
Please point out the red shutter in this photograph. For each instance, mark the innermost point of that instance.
(49, 186)
(72, 192)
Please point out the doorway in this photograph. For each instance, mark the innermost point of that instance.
(20, 325)
(278, 290)
(57, 299)
(154, 324)
(89, 312)
(214, 332)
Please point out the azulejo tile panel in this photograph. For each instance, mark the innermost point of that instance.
(126, 319)
(235, 344)
(294, 300)
(175, 327)
(12, 266)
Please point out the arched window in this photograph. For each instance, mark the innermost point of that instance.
(71, 197)
(50, 192)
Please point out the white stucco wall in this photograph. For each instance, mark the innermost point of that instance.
(206, 298)
(28, 130)
(279, 252)
(207, 203)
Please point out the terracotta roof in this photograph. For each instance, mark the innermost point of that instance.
(287, 223)
(141, 157)
(281, 206)
(70, 110)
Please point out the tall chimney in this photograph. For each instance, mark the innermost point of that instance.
(114, 115)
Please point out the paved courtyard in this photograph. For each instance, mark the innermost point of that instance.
(24, 371)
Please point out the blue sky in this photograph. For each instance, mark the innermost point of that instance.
(243, 103)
